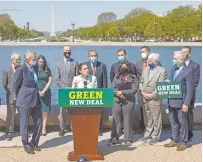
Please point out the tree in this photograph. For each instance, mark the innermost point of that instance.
(137, 12)
(106, 17)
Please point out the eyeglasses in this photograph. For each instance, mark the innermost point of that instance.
(40, 61)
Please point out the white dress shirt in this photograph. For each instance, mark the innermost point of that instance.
(78, 82)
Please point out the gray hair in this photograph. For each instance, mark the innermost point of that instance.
(180, 54)
(29, 54)
(154, 57)
(93, 50)
(14, 54)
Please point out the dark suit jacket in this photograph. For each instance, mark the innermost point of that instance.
(196, 70)
(140, 67)
(7, 81)
(101, 73)
(64, 77)
(186, 77)
(115, 68)
(25, 87)
(128, 87)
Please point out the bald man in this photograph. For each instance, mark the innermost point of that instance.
(66, 69)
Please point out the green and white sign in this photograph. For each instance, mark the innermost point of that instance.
(169, 90)
(101, 97)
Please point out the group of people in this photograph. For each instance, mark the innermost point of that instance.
(28, 90)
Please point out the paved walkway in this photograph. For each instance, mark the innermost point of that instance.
(55, 148)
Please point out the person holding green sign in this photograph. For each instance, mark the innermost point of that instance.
(179, 107)
(152, 104)
(125, 86)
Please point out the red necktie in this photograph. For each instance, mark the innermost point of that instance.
(145, 64)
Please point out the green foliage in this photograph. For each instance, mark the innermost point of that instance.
(9, 30)
(180, 23)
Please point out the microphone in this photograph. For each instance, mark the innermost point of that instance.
(85, 84)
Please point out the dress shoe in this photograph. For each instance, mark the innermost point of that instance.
(61, 133)
(153, 141)
(34, 147)
(127, 143)
(171, 144)
(181, 147)
(9, 137)
(113, 142)
(29, 151)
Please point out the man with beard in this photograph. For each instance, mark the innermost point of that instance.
(66, 69)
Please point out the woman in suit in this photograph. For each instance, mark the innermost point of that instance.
(125, 86)
(44, 83)
(84, 80)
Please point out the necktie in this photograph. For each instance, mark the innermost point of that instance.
(67, 65)
(93, 69)
(145, 64)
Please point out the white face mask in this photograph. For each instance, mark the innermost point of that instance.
(144, 55)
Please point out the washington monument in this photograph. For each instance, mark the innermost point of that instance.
(52, 22)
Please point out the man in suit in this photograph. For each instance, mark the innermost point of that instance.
(196, 70)
(178, 108)
(99, 70)
(66, 69)
(25, 87)
(121, 54)
(8, 75)
(140, 66)
(151, 103)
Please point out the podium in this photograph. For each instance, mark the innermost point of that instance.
(85, 107)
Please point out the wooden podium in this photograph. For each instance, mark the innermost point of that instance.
(85, 107)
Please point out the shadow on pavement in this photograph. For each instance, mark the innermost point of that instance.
(56, 141)
(111, 149)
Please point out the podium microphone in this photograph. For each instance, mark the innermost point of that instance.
(85, 84)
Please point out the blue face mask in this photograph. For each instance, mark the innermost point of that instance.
(33, 63)
(151, 66)
(93, 59)
(121, 58)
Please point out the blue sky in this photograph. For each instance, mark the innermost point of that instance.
(83, 13)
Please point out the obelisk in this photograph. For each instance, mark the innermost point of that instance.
(52, 22)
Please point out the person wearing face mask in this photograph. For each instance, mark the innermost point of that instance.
(196, 70)
(125, 87)
(44, 83)
(151, 103)
(66, 70)
(99, 70)
(8, 75)
(27, 100)
(140, 66)
(179, 107)
(121, 54)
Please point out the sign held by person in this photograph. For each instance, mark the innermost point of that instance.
(167, 90)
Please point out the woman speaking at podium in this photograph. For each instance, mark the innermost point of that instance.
(84, 80)
(125, 86)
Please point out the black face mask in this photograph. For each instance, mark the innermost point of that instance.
(67, 54)
(123, 70)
